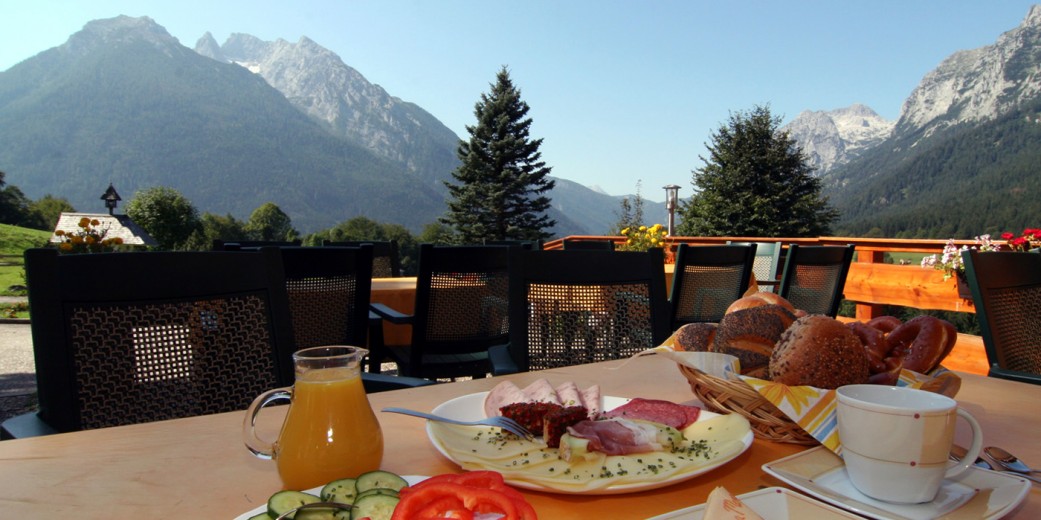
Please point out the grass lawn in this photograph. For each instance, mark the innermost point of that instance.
(13, 243)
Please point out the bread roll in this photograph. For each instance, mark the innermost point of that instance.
(750, 335)
(696, 337)
(759, 299)
(819, 351)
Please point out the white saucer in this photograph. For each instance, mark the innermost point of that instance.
(976, 493)
(774, 503)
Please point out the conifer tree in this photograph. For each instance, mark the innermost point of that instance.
(756, 182)
(503, 182)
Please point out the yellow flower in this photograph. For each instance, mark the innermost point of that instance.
(95, 222)
(84, 222)
(59, 233)
(643, 228)
(90, 239)
(625, 231)
(65, 246)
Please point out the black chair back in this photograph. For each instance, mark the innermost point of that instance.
(460, 311)
(122, 338)
(707, 279)
(815, 276)
(386, 261)
(1006, 290)
(574, 307)
(247, 245)
(598, 245)
(766, 264)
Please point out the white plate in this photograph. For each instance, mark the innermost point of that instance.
(411, 479)
(471, 407)
(775, 503)
(977, 493)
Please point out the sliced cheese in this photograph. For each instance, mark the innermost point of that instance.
(722, 505)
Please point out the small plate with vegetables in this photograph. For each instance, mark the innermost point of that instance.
(371, 495)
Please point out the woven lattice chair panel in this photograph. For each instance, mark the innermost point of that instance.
(466, 306)
(1016, 327)
(572, 325)
(814, 277)
(812, 287)
(706, 292)
(385, 257)
(140, 363)
(320, 308)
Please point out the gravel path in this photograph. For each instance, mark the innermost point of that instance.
(17, 370)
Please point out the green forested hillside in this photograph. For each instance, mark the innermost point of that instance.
(962, 182)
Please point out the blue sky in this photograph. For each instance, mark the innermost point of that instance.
(621, 91)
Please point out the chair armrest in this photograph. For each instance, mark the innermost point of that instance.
(389, 314)
(25, 425)
(501, 360)
(384, 382)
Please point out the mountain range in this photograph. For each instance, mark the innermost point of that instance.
(234, 126)
(963, 159)
(238, 124)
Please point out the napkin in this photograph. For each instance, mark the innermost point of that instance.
(811, 408)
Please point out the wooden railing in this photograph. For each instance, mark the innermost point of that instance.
(871, 283)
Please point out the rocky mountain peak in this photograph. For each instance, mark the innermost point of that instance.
(208, 46)
(832, 138)
(119, 30)
(979, 84)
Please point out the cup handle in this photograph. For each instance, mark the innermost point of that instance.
(260, 448)
(974, 449)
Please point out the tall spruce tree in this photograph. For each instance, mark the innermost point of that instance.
(502, 181)
(756, 182)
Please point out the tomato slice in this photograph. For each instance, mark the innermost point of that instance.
(443, 496)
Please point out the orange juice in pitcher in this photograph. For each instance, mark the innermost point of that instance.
(330, 431)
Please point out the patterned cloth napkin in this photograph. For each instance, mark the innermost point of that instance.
(812, 408)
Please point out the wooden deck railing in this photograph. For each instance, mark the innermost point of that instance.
(871, 282)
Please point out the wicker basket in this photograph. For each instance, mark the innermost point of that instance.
(725, 396)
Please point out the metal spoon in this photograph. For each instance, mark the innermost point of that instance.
(1008, 460)
(959, 452)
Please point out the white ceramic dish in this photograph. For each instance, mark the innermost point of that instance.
(411, 479)
(775, 503)
(471, 407)
(977, 493)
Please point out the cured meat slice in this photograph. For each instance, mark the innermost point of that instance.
(678, 416)
(591, 400)
(503, 394)
(556, 422)
(567, 393)
(529, 415)
(541, 391)
(617, 436)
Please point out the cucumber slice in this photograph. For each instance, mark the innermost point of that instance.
(285, 500)
(376, 491)
(375, 506)
(380, 479)
(261, 516)
(342, 491)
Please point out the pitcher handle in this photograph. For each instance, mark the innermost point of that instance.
(260, 448)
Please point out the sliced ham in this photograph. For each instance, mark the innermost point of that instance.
(591, 400)
(567, 393)
(503, 394)
(617, 436)
(541, 391)
(678, 416)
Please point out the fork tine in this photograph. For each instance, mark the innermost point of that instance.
(514, 427)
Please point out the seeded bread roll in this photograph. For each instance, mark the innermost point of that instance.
(750, 335)
(696, 337)
(819, 351)
(759, 299)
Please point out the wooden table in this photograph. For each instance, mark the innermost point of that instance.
(198, 468)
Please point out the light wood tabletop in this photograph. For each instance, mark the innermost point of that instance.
(198, 467)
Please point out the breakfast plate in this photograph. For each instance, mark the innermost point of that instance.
(411, 479)
(977, 493)
(532, 465)
(774, 503)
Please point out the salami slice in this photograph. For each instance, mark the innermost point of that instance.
(678, 416)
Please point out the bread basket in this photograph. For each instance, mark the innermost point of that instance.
(725, 396)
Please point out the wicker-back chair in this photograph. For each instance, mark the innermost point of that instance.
(122, 338)
(460, 312)
(243, 245)
(1006, 290)
(815, 276)
(707, 279)
(386, 261)
(767, 261)
(574, 307)
(328, 292)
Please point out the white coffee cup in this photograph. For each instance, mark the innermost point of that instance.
(896, 441)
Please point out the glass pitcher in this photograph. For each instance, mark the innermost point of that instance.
(330, 431)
